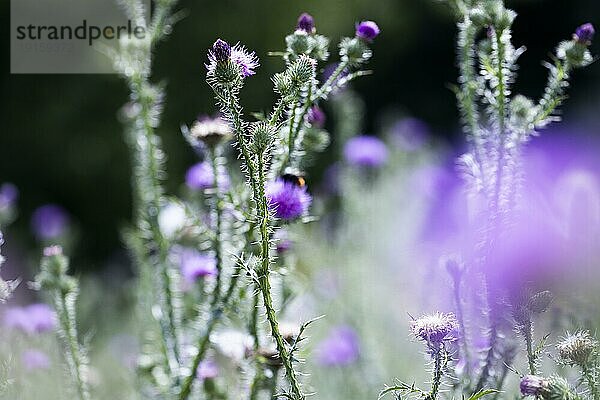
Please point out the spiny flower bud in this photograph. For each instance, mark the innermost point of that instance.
(302, 70)
(263, 135)
(306, 23)
(355, 51)
(553, 388)
(584, 34)
(298, 43)
(576, 349)
(283, 84)
(540, 302)
(53, 274)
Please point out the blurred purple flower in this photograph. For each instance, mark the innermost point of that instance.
(8, 195)
(34, 359)
(207, 369)
(200, 176)
(195, 264)
(32, 319)
(50, 222)
(367, 30)
(532, 385)
(283, 241)
(316, 117)
(339, 348)
(365, 151)
(409, 134)
(287, 200)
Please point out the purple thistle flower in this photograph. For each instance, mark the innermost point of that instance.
(287, 200)
(339, 348)
(8, 195)
(33, 319)
(49, 222)
(196, 265)
(532, 385)
(365, 151)
(316, 117)
(221, 51)
(367, 30)
(200, 176)
(207, 369)
(34, 359)
(435, 328)
(585, 33)
(409, 134)
(247, 60)
(306, 23)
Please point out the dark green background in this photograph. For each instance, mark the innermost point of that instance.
(61, 141)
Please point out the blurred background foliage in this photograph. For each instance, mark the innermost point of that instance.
(61, 140)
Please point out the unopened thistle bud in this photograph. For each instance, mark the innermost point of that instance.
(355, 51)
(263, 135)
(577, 348)
(302, 70)
(53, 274)
(306, 23)
(584, 34)
(221, 50)
(540, 302)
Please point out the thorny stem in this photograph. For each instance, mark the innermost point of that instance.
(553, 95)
(148, 151)
(591, 382)
(493, 338)
(204, 340)
(218, 212)
(531, 357)
(438, 371)
(64, 304)
(292, 134)
(461, 321)
(264, 285)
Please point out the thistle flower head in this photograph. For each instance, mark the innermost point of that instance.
(577, 348)
(585, 33)
(306, 23)
(208, 369)
(287, 200)
(434, 329)
(367, 30)
(210, 131)
(532, 385)
(365, 151)
(220, 51)
(227, 63)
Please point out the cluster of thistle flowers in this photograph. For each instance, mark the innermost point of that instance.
(497, 124)
(579, 350)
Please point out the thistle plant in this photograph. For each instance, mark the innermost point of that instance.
(498, 123)
(64, 289)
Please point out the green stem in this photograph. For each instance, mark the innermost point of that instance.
(204, 340)
(218, 213)
(437, 374)
(65, 311)
(265, 286)
(531, 357)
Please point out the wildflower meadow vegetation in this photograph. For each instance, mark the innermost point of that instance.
(404, 270)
